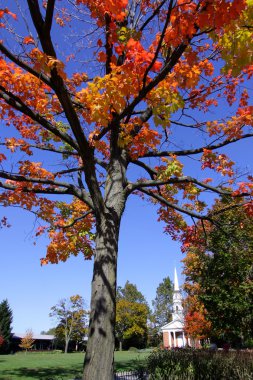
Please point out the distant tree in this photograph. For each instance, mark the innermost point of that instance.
(5, 326)
(27, 341)
(131, 323)
(132, 312)
(130, 293)
(162, 303)
(219, 273)
(51, 331)
(72, 319)
(162, 307)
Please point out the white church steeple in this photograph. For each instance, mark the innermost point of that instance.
(177, 313)
(176, 286)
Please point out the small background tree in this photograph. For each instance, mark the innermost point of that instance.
(27, 341)
(5, 327)
(72, 320)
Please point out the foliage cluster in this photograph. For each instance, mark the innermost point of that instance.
(200, 365)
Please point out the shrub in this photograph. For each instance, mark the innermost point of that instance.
(133, 349)
(200, 365)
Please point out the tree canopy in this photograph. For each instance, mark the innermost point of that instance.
(103, 100)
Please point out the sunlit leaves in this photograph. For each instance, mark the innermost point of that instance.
(236, 43)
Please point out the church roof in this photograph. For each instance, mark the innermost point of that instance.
(176, 324)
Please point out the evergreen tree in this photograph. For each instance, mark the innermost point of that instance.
(5, 326)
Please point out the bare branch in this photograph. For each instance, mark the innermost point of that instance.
(187, 152)
(176, 207)
(49, 15)
(177, 180)
(148, 169)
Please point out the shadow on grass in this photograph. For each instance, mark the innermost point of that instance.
(40, 374)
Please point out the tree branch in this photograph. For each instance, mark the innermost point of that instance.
(69, 188)
(15, 102)
(148, 169)
(176, 207)
(24, 65)
(156, 11)
(187, 152)
(177, 53)
(77, 220)
(159, 45)
(49, 15)
(177, 180)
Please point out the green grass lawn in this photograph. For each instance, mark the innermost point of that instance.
(57, 366)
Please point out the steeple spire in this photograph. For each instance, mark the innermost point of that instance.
(176, 286)
(177, 313)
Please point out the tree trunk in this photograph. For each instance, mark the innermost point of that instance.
(99, 358)
(66, 346)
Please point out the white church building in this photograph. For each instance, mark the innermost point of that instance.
(173, 332)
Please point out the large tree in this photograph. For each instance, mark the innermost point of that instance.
(100, 100)
(220, 275)
(71, 317)
(5, 326)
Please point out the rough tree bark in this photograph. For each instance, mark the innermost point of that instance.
(99, 358)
